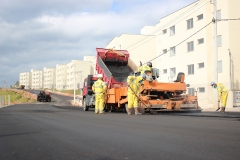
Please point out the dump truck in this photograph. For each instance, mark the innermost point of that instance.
(154, 96)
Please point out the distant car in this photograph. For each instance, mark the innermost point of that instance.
(44, 96)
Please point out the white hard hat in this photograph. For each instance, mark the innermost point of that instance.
(212, 83)
(100, 76)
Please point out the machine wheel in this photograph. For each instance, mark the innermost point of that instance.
(85, 107)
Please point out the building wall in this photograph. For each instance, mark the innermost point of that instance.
(49, 78)
(61, 76)
(202, 53)
(25, 79)
(37, 79)
(144, 51)
(81, 69)
(92, 60)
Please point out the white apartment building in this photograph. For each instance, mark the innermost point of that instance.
(49, 77)
(81, 69)
(194, 56)
(140, 47)
(37, 79)
(25, 79)
(61, 76)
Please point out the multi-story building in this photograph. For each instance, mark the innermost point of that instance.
(25, 79)
(49, 78)
(186, 40)
(81, 69)
(37, 79)
(61, 76)
(140, 47)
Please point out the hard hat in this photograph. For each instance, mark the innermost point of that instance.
(106, 83)
(100, 76)
(149, 64)
(212, 83)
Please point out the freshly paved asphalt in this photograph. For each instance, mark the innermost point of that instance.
(41, 131)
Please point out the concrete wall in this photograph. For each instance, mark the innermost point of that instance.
(202, 53)
(143, 51)
(37, 79)
(81, 69)
(61, 76)
(49, 79)
(25, 79)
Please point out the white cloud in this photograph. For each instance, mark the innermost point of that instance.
(51, 32)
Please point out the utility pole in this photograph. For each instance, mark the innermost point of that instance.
(215, 54)
(74, 85)
(230, 68)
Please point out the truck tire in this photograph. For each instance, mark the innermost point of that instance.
(49, 99)
(85, 107)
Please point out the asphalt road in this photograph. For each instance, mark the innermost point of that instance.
(41, 131)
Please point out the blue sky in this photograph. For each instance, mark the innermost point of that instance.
(43, 33)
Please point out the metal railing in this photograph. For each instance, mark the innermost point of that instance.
(5, 100)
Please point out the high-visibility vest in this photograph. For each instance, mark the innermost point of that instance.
(134, 83)
(221, 89)
(99, 87)
(144, 68)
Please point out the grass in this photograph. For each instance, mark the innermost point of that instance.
(15, 96)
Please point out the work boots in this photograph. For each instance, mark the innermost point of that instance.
(137, 112)
(222, 110)
(129, 111)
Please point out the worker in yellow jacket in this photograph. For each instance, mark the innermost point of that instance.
(143, 68)
(99, 88)
(134, 84)
(222, 94)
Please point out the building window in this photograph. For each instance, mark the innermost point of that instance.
(164, 31)
(172, 51)
(201, 90)
(191, 91)
(164, 71)
(201, 65)
(172, 30)
(200, 41)
(199, 17)
(190, 46)
(219, 41)
(219, 66)
(191, 69)
(172, 72)
(218, 14)
(190, 23)
(164, 51)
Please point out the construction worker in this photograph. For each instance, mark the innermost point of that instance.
(99, 88)
(222, 95)
(146, 67)
(134, 84)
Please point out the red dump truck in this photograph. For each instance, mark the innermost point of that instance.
(154, 96)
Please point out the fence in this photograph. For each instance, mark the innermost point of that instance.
(4, 100)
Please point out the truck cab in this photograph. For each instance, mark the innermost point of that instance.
(87, 94)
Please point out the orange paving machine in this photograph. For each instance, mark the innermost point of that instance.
(154, 96)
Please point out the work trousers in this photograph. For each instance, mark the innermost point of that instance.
(224, 99)
(99, 103)
(132, 100)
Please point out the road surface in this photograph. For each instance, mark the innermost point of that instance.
(41, 131)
